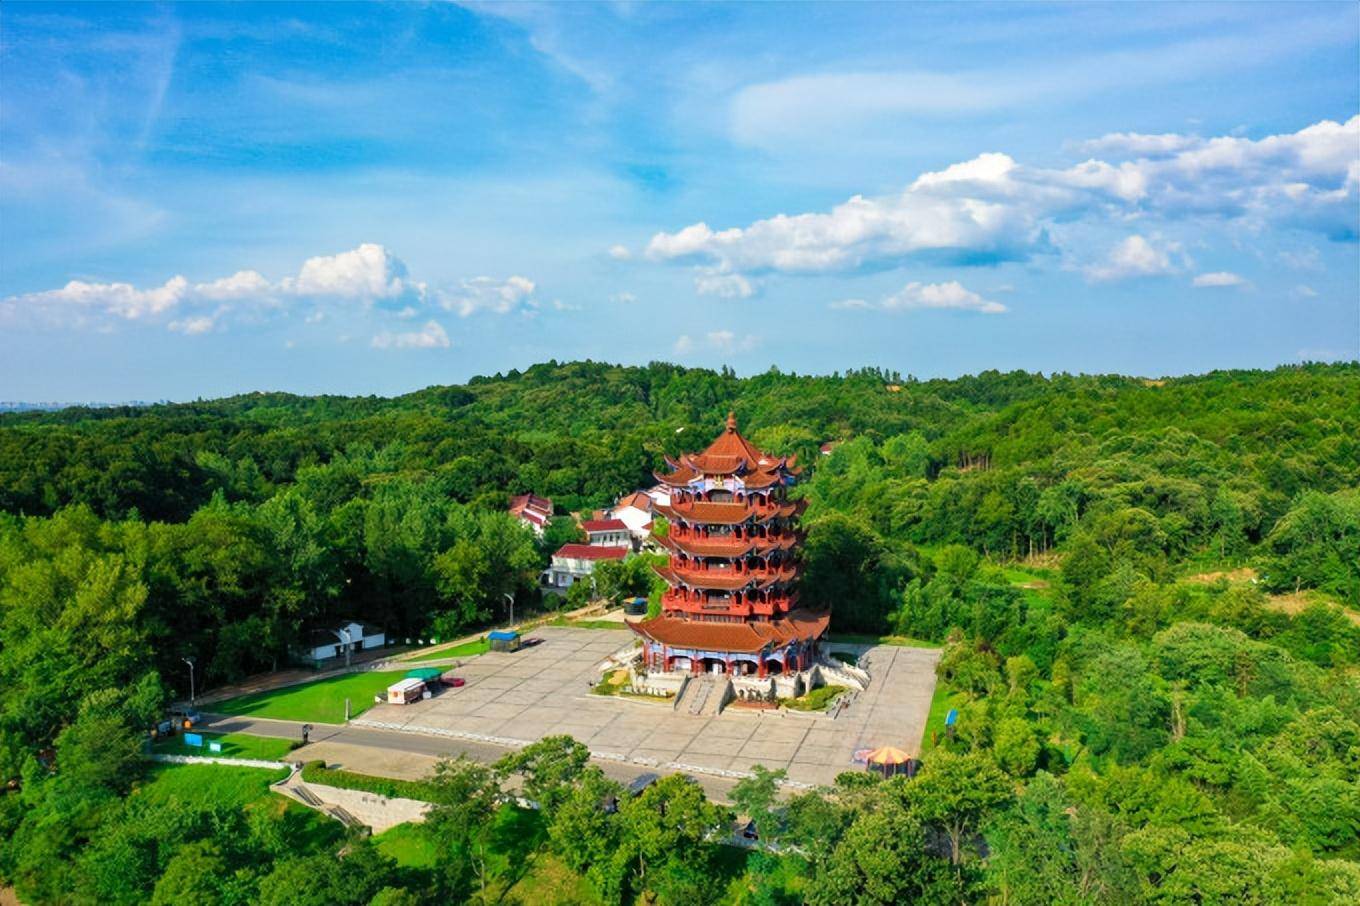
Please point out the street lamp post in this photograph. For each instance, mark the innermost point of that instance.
(349, 643)
(190, 662)
(511, 598)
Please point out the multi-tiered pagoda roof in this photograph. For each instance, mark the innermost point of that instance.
(733, 571)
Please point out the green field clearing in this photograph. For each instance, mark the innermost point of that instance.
(899, 641)
(408, 844)
(587, 624)
(322, 701)
(234, 745)
(209, 784)
(466, 649)
(940, 703)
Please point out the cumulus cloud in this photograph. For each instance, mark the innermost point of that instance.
(369, 272)
(917, 295)
(1137, 256)
(1218, 278)
(683, 344)
(1303, 291)
(993, 208)
(369, 277)
(487, 294)
(619, 252)
(431, 336)
(623, 298)
(724, 286)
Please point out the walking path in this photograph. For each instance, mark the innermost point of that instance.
(405, 755)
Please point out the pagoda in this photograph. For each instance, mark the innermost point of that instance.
(732, 603)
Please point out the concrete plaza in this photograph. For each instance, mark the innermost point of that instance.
(515, 698)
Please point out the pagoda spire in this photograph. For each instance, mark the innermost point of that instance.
(731, 422)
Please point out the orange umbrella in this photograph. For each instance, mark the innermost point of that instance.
(888, 755)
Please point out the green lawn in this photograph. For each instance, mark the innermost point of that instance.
(234, 745)
(587, 624)
(467, 649)
(208, 784)
(940, 703)
(247, 789)
(322, 701)
(408, 844)
(818, 699)
(899, 641)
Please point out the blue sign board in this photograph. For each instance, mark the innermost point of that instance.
(951, 718)
(193, 739)
(215, 747)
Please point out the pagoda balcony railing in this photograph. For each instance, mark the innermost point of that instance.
(746, 607)
(739, 533)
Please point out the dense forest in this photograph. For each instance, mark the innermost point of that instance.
(1148, 593)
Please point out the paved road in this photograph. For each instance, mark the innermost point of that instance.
(380, 741)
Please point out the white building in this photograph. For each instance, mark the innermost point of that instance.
(607, 533)
(533, 511)
(574, 562)
(331, 641)
(637, 510)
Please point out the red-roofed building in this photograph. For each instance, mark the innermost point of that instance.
(573, 562)
(607, 532)
(638, 509)
(732, 605)
(532, 510)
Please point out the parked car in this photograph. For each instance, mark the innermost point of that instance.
(163, 729)
(186, 718)
(641, 782)
(531, 642)
(453, 682)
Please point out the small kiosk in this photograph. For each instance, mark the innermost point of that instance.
(504, 640)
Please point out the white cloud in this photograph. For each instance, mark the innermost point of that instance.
(619, 252)
(917, 295)
(240, 285)
(725, 286)
(1320, 354)
(369, 272)
(1136, 256)
(1303, 291)
(369, 277)
(559, 305)
(727, 341)
(79, 299)
(487, 294)
(1218, 278)
(992, 208)
(192, 326)
(431, 336)
(1135, 144)
(623, 298)
(722, 341)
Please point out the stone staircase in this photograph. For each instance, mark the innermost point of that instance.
(835, 673)
(704, 695)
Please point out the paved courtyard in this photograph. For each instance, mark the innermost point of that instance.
(545, 690)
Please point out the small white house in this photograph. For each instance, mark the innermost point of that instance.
(574, 562)
(331, 641)
(607, 533)
(636, 511)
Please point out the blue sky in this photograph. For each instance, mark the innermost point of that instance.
(204, 199)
